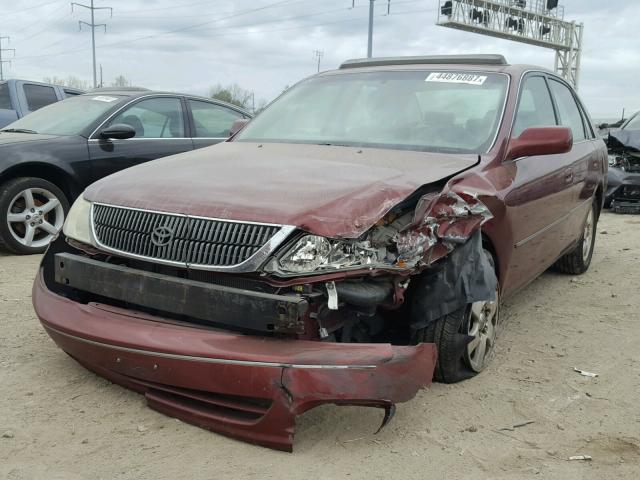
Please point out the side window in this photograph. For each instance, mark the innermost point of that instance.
(212, 120)
(535, 108)
(5, 99)
(39, 96)
(154, 118)
(570, 115)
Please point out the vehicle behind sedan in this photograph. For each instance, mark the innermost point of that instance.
(50, 156)
(351, 243)
(623, 187)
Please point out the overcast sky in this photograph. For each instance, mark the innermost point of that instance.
(264, 45)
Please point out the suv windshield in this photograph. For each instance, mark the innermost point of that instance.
(69, 117)
(456, 112)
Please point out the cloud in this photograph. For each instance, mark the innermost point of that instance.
(221, 41)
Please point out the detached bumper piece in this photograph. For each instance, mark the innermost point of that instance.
(244, 386)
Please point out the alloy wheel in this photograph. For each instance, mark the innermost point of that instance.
(35, 215)
(482, 326)
(587, 236)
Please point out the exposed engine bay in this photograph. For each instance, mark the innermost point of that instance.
(623, 194)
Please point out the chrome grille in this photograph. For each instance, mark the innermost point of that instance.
(194, 241)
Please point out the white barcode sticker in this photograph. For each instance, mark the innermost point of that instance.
(450, 77)
(104, 98)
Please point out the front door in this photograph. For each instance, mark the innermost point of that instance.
(539, 196)
(160, 128)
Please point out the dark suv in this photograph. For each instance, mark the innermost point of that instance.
(350, 243)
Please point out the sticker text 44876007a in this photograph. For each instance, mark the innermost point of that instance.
(449, 77)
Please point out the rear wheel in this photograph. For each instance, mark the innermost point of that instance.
(32, 211)
(465, 338)
(577, 261)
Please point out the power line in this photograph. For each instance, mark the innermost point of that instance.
(4, 14)
(225, 33)
(93, 26)
(169, 32)
(2, 62)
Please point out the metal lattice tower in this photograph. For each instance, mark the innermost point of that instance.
(92, 26)
(535, 22)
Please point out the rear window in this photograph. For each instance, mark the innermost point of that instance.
(39, 96)
(5, 100)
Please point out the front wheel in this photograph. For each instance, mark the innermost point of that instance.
(32, 211)
(577, 261)
(465, 338)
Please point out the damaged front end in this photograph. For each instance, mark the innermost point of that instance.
(323, 320)
(623, 191)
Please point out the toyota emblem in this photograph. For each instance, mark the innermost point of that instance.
(161, 236)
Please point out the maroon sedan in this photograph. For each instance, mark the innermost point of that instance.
(347, 246)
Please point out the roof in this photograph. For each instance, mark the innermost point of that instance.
(135, 92)
(426, 60)
(118, 89)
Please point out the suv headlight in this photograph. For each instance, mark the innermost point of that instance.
(78, 222)
(313, 253)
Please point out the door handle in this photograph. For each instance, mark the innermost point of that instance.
(568, 175)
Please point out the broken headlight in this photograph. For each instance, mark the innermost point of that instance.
(313, 253)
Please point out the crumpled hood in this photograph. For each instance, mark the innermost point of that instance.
(625, 138)
(327, 190)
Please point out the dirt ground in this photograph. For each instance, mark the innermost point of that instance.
(58, 421)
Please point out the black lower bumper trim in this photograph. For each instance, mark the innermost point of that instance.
(215, 304)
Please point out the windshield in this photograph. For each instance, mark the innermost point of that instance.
(69, 117)
(633, 123)
(457, 112)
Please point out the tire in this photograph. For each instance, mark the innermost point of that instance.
(458, 338)
(32, 211)
(577, 261)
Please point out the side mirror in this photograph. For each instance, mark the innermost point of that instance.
(540, 141)
(237, 126)
(119, 131)
(602, 126)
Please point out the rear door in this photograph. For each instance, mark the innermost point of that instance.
(540, 197)
(211, 122)
(161, 130)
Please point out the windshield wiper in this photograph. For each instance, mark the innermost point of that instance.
(18, 130)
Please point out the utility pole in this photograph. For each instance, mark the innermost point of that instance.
(93, 26)
(319, 54)
(101, 84)
(370, 42)
(371, 12)
(5, 50)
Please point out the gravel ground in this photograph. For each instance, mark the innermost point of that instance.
(58, 421)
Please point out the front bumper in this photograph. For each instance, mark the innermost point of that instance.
(247, 387)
